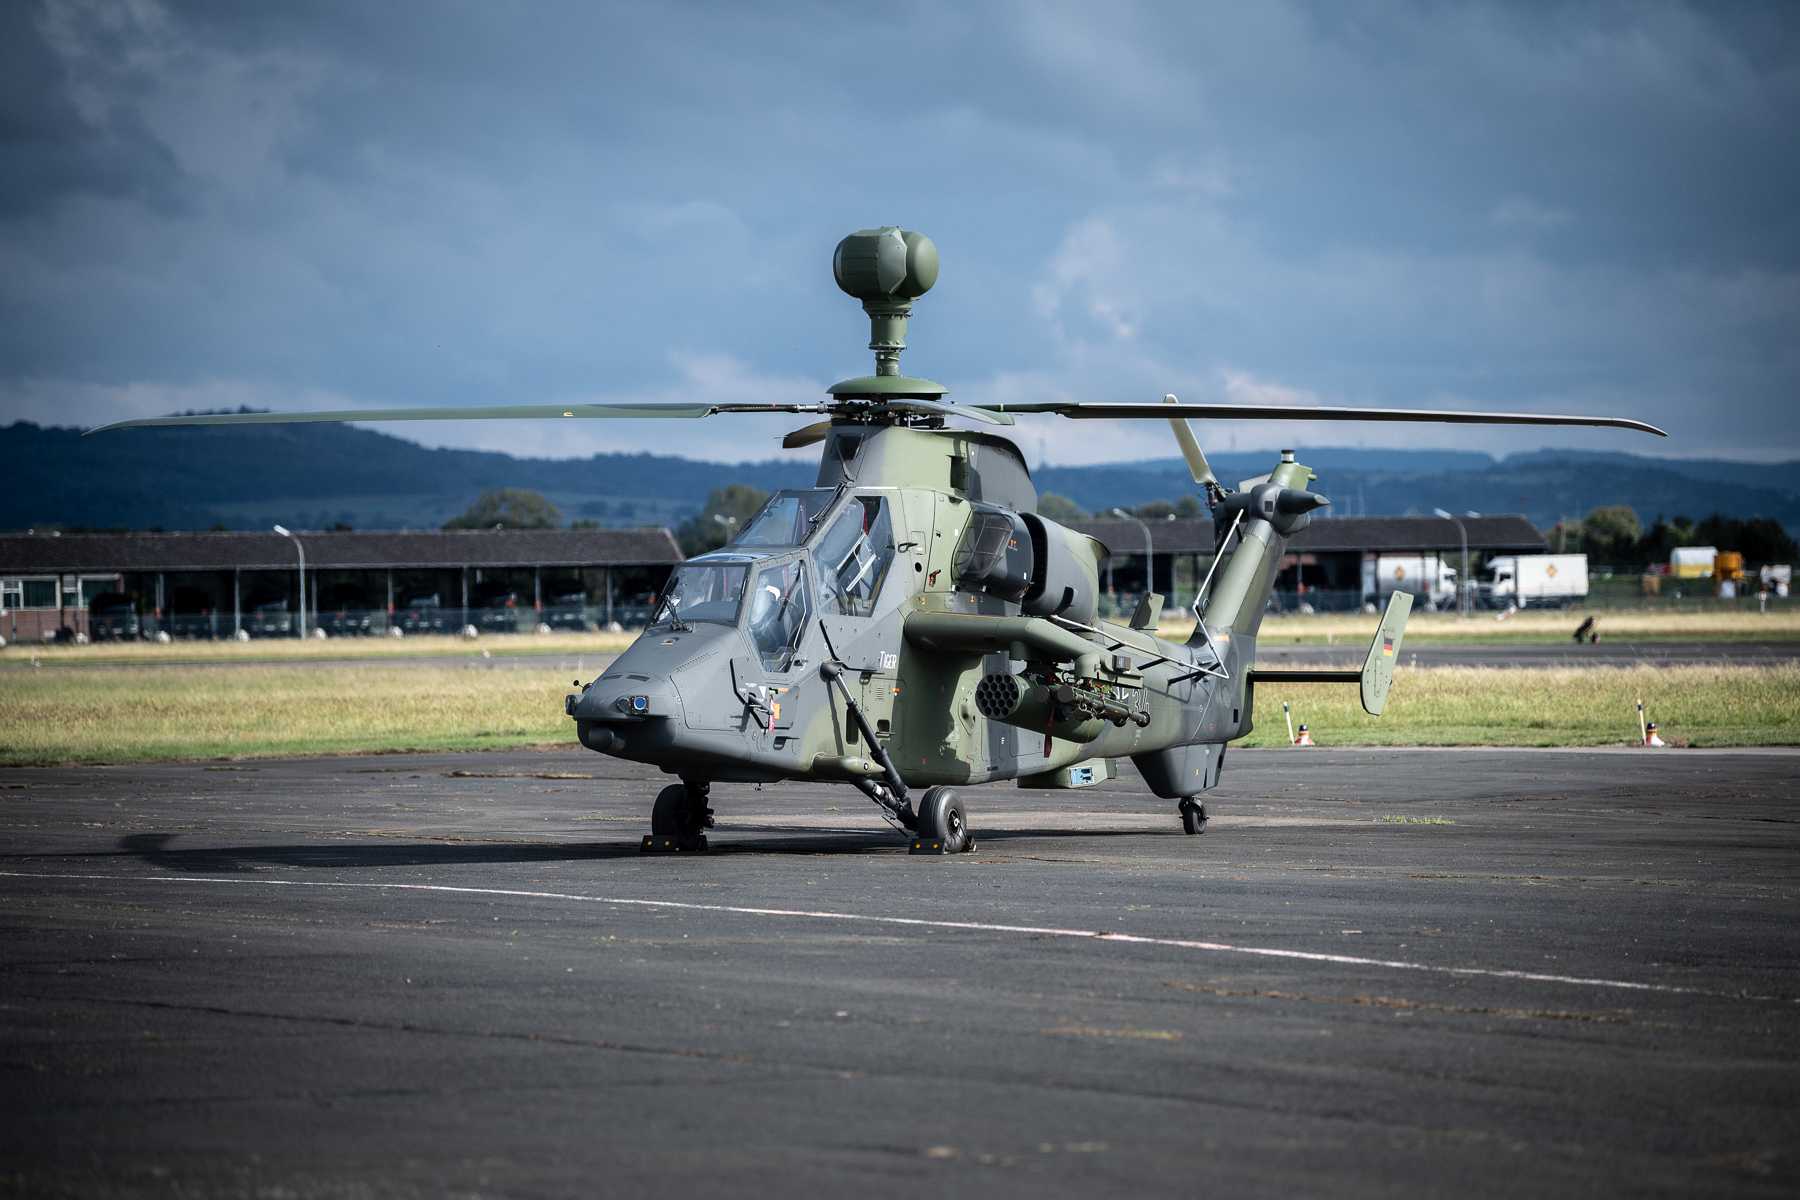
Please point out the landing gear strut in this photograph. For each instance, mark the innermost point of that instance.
(943, 827)
(1193, 816)
(679, 819)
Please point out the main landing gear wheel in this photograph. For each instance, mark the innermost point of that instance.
(943, 826)
(678, 820)
(1193, 816)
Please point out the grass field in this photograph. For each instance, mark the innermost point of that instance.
(287, 650)
(134, 713)
(1778, 624)
(1473, 706)
(1781, 624)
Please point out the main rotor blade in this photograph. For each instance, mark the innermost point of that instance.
(806, 435)
(1198, 467)
(1085, 411)
(499, 412)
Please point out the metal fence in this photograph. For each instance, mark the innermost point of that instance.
(360, 622)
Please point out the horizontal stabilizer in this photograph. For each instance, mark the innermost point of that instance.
(1305, 675)
(1377, 674)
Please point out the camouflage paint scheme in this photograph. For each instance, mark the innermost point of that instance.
(714, 712)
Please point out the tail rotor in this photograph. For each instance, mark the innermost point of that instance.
(1198, 467)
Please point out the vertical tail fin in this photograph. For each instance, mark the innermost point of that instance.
(1384, 652)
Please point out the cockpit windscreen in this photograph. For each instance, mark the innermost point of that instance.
(787, 519)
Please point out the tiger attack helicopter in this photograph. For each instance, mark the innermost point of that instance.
(910, 624)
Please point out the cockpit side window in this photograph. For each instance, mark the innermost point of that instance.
(779, 608)
(787, 519)
(854, 556)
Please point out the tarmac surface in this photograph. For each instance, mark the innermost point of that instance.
(1470, 972)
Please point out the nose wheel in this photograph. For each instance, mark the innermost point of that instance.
(678, 820)
(943, 826)
(1193, 816)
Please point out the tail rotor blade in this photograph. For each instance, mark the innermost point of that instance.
(1190, 448)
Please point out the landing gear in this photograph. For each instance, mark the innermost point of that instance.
(943, 827)
(679, 819)
(1193, 816)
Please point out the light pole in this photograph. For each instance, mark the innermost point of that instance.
(1462, 580)
(282, 530)
(1149, 556)
(730, 524)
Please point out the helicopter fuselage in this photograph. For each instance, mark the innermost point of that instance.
(883, 578)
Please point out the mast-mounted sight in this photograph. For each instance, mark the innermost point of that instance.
(887, 269)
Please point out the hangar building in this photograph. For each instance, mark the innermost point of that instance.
(216, 584)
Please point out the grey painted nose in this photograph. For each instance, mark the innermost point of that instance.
(626, 700)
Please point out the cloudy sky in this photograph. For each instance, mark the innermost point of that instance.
(1582, 207)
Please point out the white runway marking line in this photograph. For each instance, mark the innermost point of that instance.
(1093, 935)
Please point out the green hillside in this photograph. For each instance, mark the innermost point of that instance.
(317, 475)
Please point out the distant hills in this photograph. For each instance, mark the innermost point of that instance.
(314, 476)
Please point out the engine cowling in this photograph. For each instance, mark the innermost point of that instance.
(1047, 569)
(1065, 572)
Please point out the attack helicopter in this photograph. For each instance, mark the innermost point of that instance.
(911, 625)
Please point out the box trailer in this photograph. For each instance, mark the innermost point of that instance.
(1541, 580)
(1692, 562)
(1427, 576)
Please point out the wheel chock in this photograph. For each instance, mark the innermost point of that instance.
(661, 844)
(924, 845)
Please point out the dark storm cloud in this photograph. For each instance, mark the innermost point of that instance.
(1552, 206)
(49, 151)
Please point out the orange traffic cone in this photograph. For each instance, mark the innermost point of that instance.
(1305, 738)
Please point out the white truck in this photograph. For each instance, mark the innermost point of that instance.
(1537, 580)
(1426, 576)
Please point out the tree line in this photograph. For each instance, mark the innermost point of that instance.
(1613, 536)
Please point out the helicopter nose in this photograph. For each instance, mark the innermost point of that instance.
(609, 700)
(628, 717)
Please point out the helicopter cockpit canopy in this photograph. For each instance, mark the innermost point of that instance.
(853, 545)
(767, 595)
(762, 585)
(787, 519)
(709, 589)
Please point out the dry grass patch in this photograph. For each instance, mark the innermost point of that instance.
(1778, 624)
(1474, 706)
(143, 713)
(282, 650)
(129, 714)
